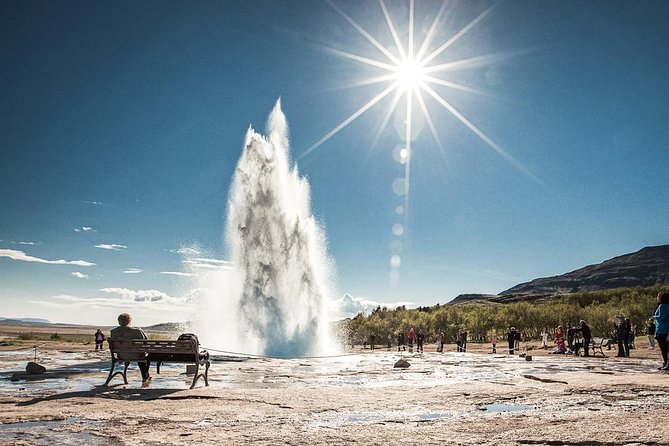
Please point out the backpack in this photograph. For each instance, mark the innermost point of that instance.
(188, 337)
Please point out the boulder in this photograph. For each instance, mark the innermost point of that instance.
(402, 364)
(34, 368)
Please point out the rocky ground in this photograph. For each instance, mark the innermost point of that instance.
(357, 398)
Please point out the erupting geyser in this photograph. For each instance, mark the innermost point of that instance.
(278, 302)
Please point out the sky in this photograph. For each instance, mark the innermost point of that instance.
(545, 147)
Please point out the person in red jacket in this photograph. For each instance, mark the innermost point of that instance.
(411, 336)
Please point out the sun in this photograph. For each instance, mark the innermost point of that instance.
(410, 75)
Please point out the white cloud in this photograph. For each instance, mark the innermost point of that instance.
(95, 203)
(209, 263)
(84, 229)
(112, 247)
(350, 306)
(27, 243)
(178, 273)
(132, 271)
(79, 275)
(23, 257)
(138, 295)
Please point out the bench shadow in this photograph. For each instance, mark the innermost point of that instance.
(117, 392)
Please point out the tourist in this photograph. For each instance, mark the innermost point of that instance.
(650, 329)
(464, 339)
(99, 339)
(494, 342)
(125, 331)
(587, 335)
(661, 318)
(511, 338)
(544, 339)
(516, 340)
(559, 340)
(372, 341)
(440, 340)
(411, 336)
(401, 343)
(420, 340)
(623, 334)
(390, 341)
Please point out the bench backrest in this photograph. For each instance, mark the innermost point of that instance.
(153, 346)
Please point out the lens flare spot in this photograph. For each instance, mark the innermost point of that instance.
(395, 261)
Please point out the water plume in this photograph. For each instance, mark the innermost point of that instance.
(277, 294)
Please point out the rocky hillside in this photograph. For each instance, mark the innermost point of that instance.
(644, 268)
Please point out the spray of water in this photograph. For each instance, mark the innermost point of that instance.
(275, 299)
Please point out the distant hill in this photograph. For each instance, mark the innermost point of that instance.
(23, 320)
(644, 268)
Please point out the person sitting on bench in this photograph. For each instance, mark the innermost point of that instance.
(125, 331)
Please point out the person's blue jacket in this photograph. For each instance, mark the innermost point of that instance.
(661, 318)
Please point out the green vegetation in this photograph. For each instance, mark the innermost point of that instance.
(598, 308)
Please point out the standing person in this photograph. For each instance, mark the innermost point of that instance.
(511, 338)
(661, 318)
(401, 343)
(571, 334)
(587, 336)
(623, 334)
(494, 342)
(372, 341)
(420, 340)
(411, 336)
(464, 339)
(125, 331)
(544, 339)
(99, 339)
(441, 340)
(651, 333)
(390, 341)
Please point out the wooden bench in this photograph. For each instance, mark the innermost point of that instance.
(135, 350)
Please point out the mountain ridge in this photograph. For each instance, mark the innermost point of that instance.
(644, 268)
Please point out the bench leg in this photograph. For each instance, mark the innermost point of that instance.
(123, 373)
(197, 374)
(158, 367)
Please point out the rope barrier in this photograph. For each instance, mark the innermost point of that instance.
(252, 355)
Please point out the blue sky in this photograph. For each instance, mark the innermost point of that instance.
(122, 123)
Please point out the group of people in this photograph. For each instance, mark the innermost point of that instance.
(565, 340)
(410, 338)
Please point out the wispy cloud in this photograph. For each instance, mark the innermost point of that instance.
(138, 295)
(94, 203)
(350, 306)
(132, 271)
(178, 273)
(209, 263)
(84, 229)
(186, 251)
(79, 275)
(27, 243)
(112, 247)
(23, 257)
